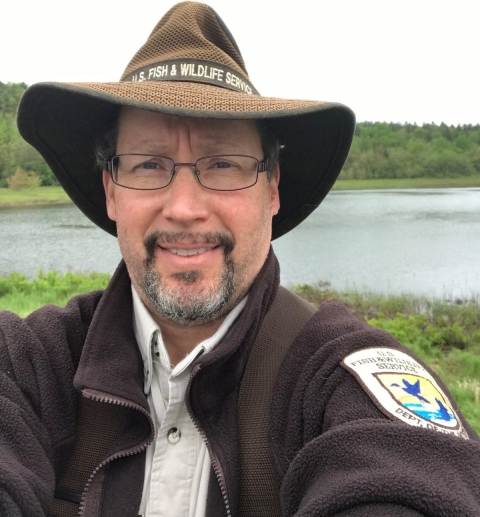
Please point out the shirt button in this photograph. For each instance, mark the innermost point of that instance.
(173, 435)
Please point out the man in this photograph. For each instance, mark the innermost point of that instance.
(126, 402)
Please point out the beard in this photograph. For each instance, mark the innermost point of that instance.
(183, 303)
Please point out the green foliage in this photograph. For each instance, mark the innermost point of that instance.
(22, 296)
(10, 94)
(14, 151)
(381, 150)
(445, 334)
(62, 284)
(22, 179)
(467, 394)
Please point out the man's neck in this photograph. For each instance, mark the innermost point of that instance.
(180, 340)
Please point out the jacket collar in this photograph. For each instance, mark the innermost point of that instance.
(111, 361)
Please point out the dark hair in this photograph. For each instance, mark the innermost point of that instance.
(270, 146)
(106, 145)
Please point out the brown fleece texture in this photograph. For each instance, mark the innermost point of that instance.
(335, 453)
(37, 401)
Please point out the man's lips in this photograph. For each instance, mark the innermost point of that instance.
(187, 251)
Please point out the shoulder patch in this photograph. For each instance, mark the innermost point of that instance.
(403, 389)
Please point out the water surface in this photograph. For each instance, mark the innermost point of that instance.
(422, 241)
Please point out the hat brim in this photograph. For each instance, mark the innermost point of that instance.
(63, 120)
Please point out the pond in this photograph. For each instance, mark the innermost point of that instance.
(418, 241)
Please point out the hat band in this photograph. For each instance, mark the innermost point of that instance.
(193, 70)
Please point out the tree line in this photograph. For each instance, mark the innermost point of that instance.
(16, 156)
(379, 150)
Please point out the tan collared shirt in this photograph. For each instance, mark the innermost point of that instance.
(177, 468)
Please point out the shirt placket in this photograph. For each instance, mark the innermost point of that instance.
(175, 453)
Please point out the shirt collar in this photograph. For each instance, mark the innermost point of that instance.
(147, 332)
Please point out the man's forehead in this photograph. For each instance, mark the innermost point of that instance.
(209, 128)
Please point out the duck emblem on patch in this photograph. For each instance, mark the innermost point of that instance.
(420, 396)
(403, 389)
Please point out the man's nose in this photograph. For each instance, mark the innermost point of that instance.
(185, 199)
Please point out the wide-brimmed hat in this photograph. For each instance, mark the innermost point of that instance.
(190, 66)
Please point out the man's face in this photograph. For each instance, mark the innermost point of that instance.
(191, 253)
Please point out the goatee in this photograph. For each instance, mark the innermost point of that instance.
(183, 304)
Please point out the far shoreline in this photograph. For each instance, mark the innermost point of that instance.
(35, 203)
(408, 183)
(33, 197)
(55, 195)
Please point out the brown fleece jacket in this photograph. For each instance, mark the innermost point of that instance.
(335, 453)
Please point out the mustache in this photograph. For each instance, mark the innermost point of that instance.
(224, 239)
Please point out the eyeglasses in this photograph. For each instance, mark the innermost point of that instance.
(145, 172)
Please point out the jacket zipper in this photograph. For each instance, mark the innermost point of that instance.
(215, 463)
(101, 397)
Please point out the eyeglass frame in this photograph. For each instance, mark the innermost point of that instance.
(261, 167)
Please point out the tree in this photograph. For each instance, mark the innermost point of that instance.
(14, 151)
(22, 179)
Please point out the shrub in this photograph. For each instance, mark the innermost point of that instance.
(22, 179)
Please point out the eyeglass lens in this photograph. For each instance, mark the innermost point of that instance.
(144, 172)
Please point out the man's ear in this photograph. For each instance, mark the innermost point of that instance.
(109, 188)
(274, 193)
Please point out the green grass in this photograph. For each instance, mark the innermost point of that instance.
(22, 296)
(56, 195)
(443, 333)
(405, 183)
(33, 196)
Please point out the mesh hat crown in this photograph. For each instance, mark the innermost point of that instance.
(189, 31)
(189, 66)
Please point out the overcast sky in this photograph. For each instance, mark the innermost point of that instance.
(389, 60)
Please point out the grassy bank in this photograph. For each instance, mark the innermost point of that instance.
(33, 196)
(405, 183)
(22, 296)
(443, 333)
(56, 195)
